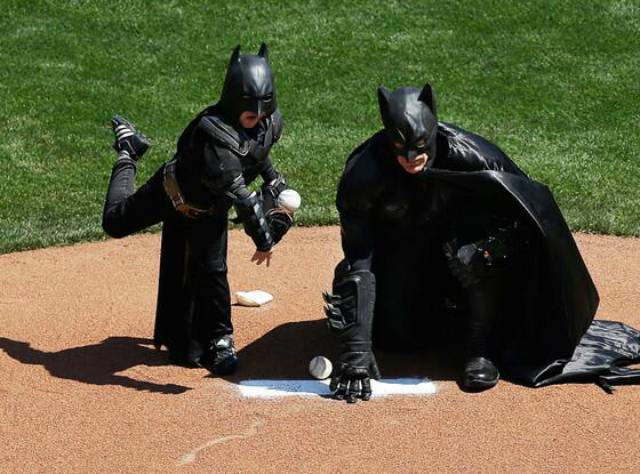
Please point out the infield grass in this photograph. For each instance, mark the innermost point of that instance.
(554, 84)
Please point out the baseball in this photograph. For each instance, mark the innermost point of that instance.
(320, 367)
(289, 200)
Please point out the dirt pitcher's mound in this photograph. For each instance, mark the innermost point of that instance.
(83, 390)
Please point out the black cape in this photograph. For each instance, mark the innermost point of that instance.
(555, 339)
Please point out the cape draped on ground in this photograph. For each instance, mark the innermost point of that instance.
(556, 339)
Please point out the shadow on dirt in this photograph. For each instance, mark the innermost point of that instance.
(281, 354)
(97, 364)
(284, 354)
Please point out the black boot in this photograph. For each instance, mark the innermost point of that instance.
(483, 305)
(480, 374)
(222, 358)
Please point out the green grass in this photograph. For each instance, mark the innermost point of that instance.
(554, 83)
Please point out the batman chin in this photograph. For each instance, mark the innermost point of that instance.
(248, 86)
(410, 121)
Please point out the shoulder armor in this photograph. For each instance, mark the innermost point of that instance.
(363, 180)
(224, 134)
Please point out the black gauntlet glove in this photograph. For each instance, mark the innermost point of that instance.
(353, 373)
(270, 191)
(280, 223)
(350, 312)
(251, 215)
(278, 219)
(472, 263)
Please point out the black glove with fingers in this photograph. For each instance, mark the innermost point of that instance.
(353, 373)
(473, 262)
(280, 223)
(468, 264)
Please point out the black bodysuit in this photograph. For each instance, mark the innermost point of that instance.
(214, 165)
(405, 228)
(213, 170)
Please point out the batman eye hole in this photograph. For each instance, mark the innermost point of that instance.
(398, 145)
(267, 98)
(246, 97)
(421, 143)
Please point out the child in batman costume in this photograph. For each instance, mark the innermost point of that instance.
(224, 149)
(441, 230)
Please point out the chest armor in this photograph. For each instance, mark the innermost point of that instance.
(410, 202)
(257, 152)
(259, 148)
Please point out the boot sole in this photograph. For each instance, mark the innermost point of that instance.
(475, 384)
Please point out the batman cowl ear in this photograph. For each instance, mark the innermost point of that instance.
(235, 56)
(263, 52)
(383, 101)
(428, 97)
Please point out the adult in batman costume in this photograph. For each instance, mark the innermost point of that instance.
(221, 151)
(442, 231)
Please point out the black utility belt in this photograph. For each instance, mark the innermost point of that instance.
(170, 184)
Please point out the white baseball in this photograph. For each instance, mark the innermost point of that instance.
(320, 367)
(289, 200)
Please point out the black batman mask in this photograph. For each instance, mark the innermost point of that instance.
(410, 121)
(248, 85)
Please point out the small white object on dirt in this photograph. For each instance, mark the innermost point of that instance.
(320, 367)
(289, 200)
(253, 298)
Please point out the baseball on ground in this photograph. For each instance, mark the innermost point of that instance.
(320, 367)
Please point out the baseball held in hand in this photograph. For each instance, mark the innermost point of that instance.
(320, 367)
(289, 200)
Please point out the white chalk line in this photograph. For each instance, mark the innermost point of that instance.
(320, 388)
(191, 456)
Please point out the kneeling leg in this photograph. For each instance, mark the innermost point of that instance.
(483, 302)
